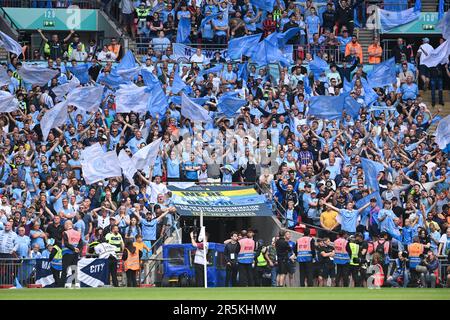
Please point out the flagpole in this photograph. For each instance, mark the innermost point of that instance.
(205, 269)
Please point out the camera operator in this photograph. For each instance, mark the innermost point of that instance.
(400, 271)
(428, 269)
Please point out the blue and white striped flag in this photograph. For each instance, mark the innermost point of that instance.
(193, 111)
(9, 44)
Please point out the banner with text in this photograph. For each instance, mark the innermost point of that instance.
(223, 201)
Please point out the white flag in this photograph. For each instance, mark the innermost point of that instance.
(147, 155)
(61, 90)
(5, 79)
(55, 117)
(86, 98)
(127, 165)
(101, 167)
(8, 102)
(443, 132)
(91, 152)
(132, 99)
(193, 111)
(129, 74)
(37, 75)
(9, 44)
(437, 56)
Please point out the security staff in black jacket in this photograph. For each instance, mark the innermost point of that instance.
(230, 253)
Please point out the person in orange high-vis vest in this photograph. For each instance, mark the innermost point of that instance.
(375, 51)
(131, 257)
(71, 248)
(415, 251)
(246, 257)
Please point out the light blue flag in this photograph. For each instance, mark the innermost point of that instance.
(363, 201)
(266, 5)
(184, 30)
(229, 103)
(444, 25)
(216, 69)
(243, 71)
(81, 71)
(37, 75)
(441, 9)
(178, 84)
(392, 19)
(9, 44)
(243, 46)
(317, 66)
(371, 170)
(193, 111)
(369, 94)
(284, 37)
(112, 79)
(348, 86)
(127, 67)
(157, 103)
(209, 18)
(132, 98)
(267, 52)
(17, 283)
(5, 79)
(199, 101)
(86, 98)
(55, 117)
(395, 5)
(351, 106)
(326, 107)
(383, 74)
(8, 102)
(443, 133)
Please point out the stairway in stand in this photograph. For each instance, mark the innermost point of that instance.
(365, 38)
(429, 5)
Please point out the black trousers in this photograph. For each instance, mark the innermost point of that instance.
(306, 272)
(67, 261)
(112, 264)
(57, 276)
(355, 271)
(199, 275)
(8, 271)
(246, 275)
(231, 276)
(131, 278)
(342, 273)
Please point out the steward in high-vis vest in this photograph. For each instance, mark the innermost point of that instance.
(142, 13)
(71, 248)
(306, 251)
(245, 259)
(55, 260)
(131, 257)
(415, 250)
(262, 266)
(342, 259)
(358, 250)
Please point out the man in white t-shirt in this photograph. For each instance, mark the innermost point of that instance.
(198, 56)
(155, 188)
(424, 50)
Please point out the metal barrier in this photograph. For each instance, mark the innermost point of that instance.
(17, 270)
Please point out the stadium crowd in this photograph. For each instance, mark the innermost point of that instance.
(377, 176)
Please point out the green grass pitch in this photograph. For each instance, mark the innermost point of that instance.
(225, 294)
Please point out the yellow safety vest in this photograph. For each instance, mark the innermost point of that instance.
(261, 261)
(355, 253)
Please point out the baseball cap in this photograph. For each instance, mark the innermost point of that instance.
(426, 40)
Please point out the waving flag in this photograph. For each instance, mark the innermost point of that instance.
(37, 75)
(184, 30)
(284, 37)
(146, 156)
(157, 103)
(348, 86)
(111, 79)
(383, 74)
(266, 5)
(391, 19)
(438, 56)
(178, 84)
(193, 111)
(127, 68)
(9, 44)
(371, 170)
(61, 90)
(326, 107)
(443, 133)
(243, 46)
(53, 118)
(318, 66)
(369, 94)
(206, 19)
(132, 99)
(4, 77)
(8, 102)
(229, 103)
(81, 72)
(243, 71)
(127, 165)
(216, 69)
(101, 167)
(86, 98)
(365, 216)
(199, 101)
(268, 52)
(351, 106)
